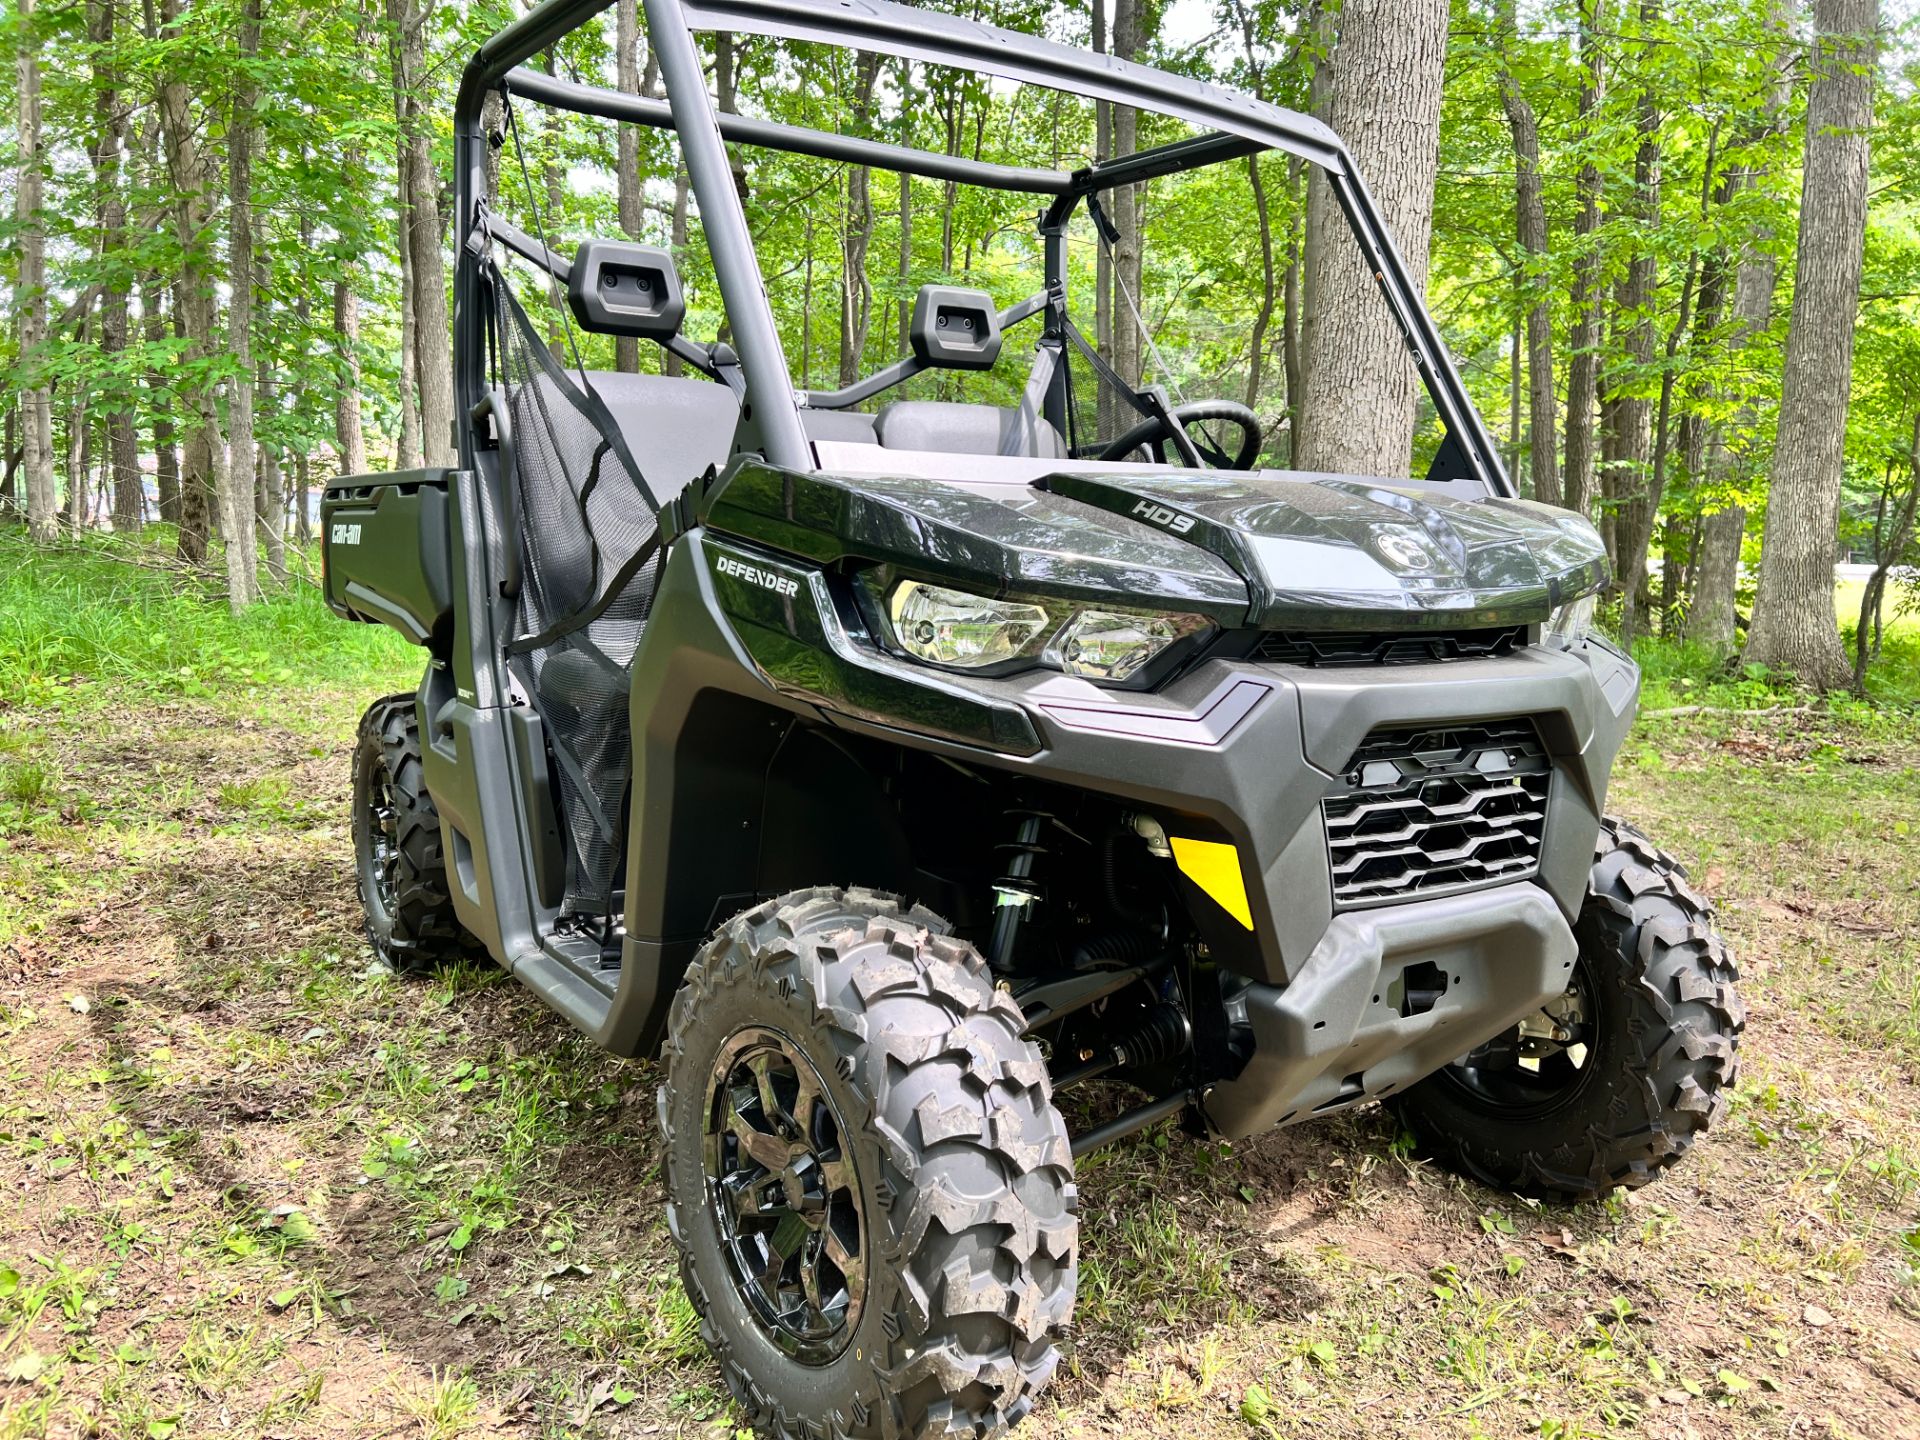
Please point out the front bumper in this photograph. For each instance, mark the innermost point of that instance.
(1243, 754)
(1391, 995)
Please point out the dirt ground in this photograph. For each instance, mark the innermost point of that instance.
(251, 1184)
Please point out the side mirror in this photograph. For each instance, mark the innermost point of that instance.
(619, 288)
(955, 329)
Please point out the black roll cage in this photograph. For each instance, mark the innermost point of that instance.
(1239, 125)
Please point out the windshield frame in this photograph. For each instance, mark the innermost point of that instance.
(1232, 124)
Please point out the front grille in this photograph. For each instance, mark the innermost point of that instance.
(1424, 811)
(1341, 647)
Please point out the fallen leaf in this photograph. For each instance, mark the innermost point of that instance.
(79, 1004)
(28, 1365)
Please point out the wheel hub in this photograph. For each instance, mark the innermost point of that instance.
(384, 832)
(1541, 1062)
(785, 1195)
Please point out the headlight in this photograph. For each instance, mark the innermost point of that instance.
(1567, 627)
(1115, 645)
(971, 632)
(951, 627)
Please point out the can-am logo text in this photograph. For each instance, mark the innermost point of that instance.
(765, 579)
(1160, 515)
(346, 534)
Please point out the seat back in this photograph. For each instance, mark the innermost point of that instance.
(956, 429)
(674, 425)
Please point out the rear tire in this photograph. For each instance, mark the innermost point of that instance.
(400, 861)
(1661, 1043)
(949, 1177)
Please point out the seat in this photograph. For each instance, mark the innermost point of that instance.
(957, 429)
(675, 425)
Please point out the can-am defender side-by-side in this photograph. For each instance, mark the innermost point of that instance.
(888, 766)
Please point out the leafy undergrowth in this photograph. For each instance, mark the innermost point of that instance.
(120, 613)
(252, 1184)
(1679, 673)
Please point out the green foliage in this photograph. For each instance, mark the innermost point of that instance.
(106, 615)
(1723, 82)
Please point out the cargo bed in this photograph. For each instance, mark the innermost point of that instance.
(386, 552)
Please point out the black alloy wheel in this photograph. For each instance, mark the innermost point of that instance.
(786, 1195)
(1540, 1064)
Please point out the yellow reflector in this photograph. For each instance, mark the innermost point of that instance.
(1215, 868)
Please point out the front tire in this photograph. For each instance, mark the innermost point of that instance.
(1627, 1070)
(868, 1184)
(399, 857)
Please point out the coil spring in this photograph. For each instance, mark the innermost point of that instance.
(1163, 1036)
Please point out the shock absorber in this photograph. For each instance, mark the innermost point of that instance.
(1164, 1035)
(1016, 892)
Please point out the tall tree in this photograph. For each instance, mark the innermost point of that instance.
(420, 217)
(238, 501)
(1130, 21)
(1629, 410)
(1530, 229)
(1383, 96)
(856, 232)
(1794, 626)
(36, 401)
(626, 53)
(156, 324)
(1583, 369)
(1730, 451)
(109, 138)
(194, 298)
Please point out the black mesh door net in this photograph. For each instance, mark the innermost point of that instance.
(590, 552)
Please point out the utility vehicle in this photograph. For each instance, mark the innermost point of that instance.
(888, 766)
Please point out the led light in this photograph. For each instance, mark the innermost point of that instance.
(1567, 627)
(951, 627)
(1115, 645)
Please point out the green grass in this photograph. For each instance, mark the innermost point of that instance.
(117, 613)
(250, 1174)
(1678, 672)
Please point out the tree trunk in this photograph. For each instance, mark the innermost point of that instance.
(856, 234)
(110, 129)
(1129, 343)
(269, 493)
(349, 434)
(1890, 549)
(407, 453)
(671, 364)
(1583, 370)
(1383, 95)
(1107, 423)
(1530, 228)
(1628, 479)
(1634, 619)
(166, 456)
(626, 47)
(30, 289)
(243, 550)
(1734, 451)
(9, 459)
(1711, 618)
(302, 490)
(904, 317)
(1794, 627)
(1269, 269)
(194, 303)
(420, 215)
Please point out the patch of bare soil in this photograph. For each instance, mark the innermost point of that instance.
(248, 1188)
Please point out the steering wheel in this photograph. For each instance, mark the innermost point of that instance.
(1154, 433)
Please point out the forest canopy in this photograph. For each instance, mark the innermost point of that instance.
(229, 238)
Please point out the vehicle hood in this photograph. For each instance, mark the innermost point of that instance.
(1319, 552)
(1340, 551)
